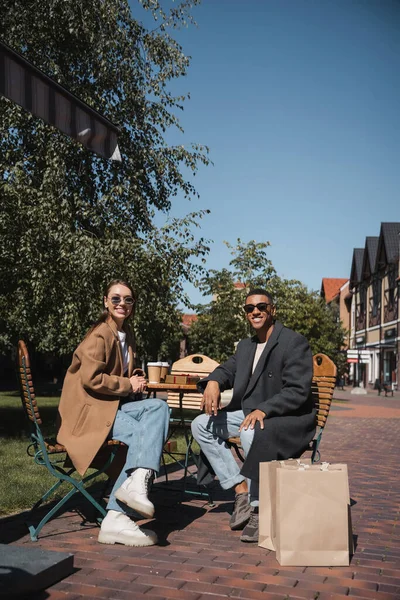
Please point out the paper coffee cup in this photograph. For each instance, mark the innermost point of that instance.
(154, 372)
(164, 370)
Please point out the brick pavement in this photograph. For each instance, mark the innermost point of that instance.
(199, 558)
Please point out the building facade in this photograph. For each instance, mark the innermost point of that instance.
(336, 293)
(375, 324)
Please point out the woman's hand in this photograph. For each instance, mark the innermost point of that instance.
(138, 383)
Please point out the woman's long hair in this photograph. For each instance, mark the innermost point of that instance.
(104, 314)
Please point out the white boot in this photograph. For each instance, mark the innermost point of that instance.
(118, 528)
(134, 491)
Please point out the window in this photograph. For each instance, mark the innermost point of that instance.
(361, 307)
(391, 298)
(375, 302)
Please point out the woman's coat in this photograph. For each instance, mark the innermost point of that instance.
(91, 392)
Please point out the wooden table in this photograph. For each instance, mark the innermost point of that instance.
(172, 387)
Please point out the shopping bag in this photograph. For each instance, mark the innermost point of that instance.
(267, 499)
(313, 525)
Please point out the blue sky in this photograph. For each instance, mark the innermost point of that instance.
(299, 102)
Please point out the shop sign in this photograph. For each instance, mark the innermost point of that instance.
(390, 333)
(355, 355)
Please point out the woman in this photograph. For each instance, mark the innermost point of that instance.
(97, 403)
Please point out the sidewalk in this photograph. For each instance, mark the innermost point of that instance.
(199, 557)
(368, 405)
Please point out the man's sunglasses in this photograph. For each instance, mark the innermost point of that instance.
(129, 301)
(261, 306)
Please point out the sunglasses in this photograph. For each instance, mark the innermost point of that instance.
(115, 300)
(261, 306)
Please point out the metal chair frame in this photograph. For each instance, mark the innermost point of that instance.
(197, 365)
(43, 453)
(181, 423)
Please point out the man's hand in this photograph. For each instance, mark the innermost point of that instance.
(211, 398)
(252, 418)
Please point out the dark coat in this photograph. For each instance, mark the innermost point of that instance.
(280, 386)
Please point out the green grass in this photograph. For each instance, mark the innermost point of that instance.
(23, 481)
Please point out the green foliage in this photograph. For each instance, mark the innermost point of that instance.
(307, 313)
(70, 221)
(162, 268)
(221, 323)
(23, 481)
(250, 264)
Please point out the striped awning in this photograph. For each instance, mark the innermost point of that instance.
(23, 83)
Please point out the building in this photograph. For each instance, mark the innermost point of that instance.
(335, 292)
(375, 324)
(187, 320)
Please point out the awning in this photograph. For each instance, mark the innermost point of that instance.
(381, 346)
(24, 84)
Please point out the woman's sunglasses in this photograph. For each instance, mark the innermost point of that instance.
(129, 301)
(261, 306)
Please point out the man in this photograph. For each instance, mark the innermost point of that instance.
(271, 408)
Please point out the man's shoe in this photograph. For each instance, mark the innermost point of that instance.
(241, 512)
(118, 528)
(250, 532)
(134, 491)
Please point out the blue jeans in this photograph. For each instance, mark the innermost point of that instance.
(210, 433)
(143, 426)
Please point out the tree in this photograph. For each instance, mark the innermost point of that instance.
(163, 266)
(70, 220)
(307, 313)
(221, 322)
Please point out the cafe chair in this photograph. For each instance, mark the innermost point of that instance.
(185, 406)
(322, 388)
(53, 456)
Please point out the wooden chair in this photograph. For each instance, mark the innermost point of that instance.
(53, 456)
(197, 365)
(322, 387)
(186, 407)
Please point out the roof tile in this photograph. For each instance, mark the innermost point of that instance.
(331, 287)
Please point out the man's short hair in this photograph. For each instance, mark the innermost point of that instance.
(260, 292)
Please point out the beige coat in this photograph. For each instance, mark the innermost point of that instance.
(91, 392)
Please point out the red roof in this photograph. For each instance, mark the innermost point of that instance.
(331, 287)
(187, 320)
(239, 286)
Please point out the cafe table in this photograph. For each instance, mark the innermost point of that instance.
(183, 422)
